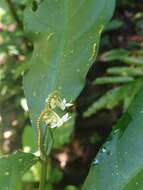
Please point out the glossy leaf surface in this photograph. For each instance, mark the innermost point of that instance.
(65, 36)
(119, 164)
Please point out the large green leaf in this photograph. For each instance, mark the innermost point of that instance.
(13, 167)
(119, 164)
(65, 36)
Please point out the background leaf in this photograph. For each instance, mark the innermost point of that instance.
(13, 167)
(119, 163)
(122, 94)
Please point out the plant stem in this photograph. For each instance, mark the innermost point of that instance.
(43, 175)
(43, 153)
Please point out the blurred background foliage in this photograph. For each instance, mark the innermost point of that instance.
(112, 83)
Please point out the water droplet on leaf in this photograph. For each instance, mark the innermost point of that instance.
(34, 94)
(117, 173)
(116, 131)
(95, 162)
(59, 87)
(7, 173)
(72, 51)
(137, 183)
(87, 64)
(103, 150)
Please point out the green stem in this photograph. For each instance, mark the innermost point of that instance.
(43, 175)
(43, 153)
(52, 141)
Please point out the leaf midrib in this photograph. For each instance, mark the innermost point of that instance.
(62, 45)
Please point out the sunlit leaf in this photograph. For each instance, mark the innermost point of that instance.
(13, 167)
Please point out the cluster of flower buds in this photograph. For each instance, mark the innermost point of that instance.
(51, 118)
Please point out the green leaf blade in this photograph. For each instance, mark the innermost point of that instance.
(120, 165)
(13, 167)
(66, 35)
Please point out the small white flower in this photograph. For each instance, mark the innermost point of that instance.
(51, 118)
(54, 100)
(61, 121)
(64, 104)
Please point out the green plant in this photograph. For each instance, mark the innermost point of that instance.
(65, 35)
(119, 163)
(126, 80)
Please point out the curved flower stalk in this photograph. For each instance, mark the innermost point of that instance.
(50, 117)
